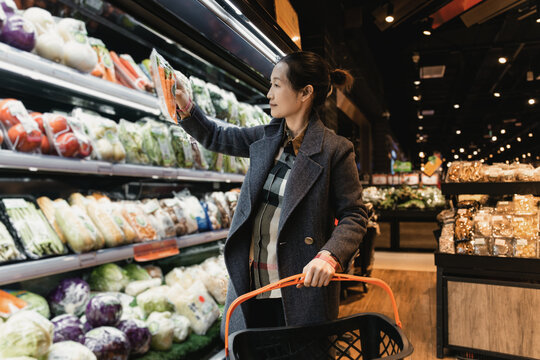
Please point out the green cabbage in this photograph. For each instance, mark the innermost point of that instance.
(155, 300)
(35, 302)
(108, 277)
(26, 333)
(136, 272)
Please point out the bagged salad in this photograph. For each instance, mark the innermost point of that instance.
(181, 146)
(164, 78)
(131, 136)
(201, 96)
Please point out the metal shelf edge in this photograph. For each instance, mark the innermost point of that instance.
(33, 269)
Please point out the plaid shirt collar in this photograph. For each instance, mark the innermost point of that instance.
(296, 142)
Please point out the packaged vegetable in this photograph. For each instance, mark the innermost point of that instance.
(181, 146)
(80, 233)
(18, 32)
(155, 299)
(130, 134)
(108, 343)
(196, 304)
(67, 328)
(127, 74)
(136, 272)
(47, 207)
(138, 77)
(202, 96)
(112, 233)
(181, 328)
(32, 228)
(108, 277)
(10, 304)
(8, 249)
(49, 44)
(69, 350)
(219, 199)
(164, 78)
(157, 143)
(78, 53)
(154, 271)
(218, 100)
(22, 133)
(212, 214)
(215, 278)
(163, 222)
(182, 223)
(34, 302)
(103, 310)
(232, 107)
(193, 209)
(134, 288)
(199, 162)
(26, 333)
(105, 67)
(115, 212)
(162, 329)
(85, 145)
(70, 297)
(138, 335)
(139, 222)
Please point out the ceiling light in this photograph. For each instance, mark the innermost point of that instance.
(461, 150)
(508, 162)
(420, 116)
(421, 154)
(497, 94)
(456, 106)
(420, 128)
(502, 60)
(503, 131)
(417, 82)
(456, 156)
(538, 19)
(482, 161)
(532, 101)
(501, 148)
(493, 138)
(389, 13)
(528, 154)
(475, 152)
(453, 151)
(470, 156)
(421, 138)
(416, 98)
(508, 146)
(518, 139)
(530, 134)
(458, 132)
(524, 156)
(490, 156)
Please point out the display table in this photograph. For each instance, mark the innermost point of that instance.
(488, 305)
(395, 217)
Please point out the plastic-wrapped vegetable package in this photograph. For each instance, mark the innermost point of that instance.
(183, 81)
(80, 232)
(108, 343)
(219, 199)
(108, 277)
(154, 271)
(181, 146)
(137, 287)
(130, 134)
(21, 132)
(242, 165)
(160, 147)
(216, 278)
(182, 224)
(78, 52)
(70, 297)
(229, 165)
(214, 160)
(217, 95)
(213, 214)
(32, 228)
(136, 217)
(196, 304)
(138, 334)
(9, 250)
(232, 200)
(47, 207)
(161, 327)
(49, 44)
(164, 78)
(69, 350)
(130, 74)
(104, 137)
(115, 212)
(62, 135)
(105, 67)
(199, 162)
(155, 300)
(193, 209)
(202, 96)
(26, 333)
(232, 107)
(181, 328)
(165, 224)
(34, 302)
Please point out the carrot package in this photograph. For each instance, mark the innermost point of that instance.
(105, 67)
(164, 78)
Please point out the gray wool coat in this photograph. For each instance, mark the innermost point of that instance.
(323, 186)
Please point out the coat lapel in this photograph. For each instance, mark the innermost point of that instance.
(304, 172)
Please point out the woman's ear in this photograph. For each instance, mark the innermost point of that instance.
(307, 92)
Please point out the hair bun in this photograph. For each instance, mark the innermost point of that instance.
(342, 79)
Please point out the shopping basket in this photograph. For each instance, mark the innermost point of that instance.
(364, 336)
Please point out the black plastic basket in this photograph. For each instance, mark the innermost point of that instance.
(364, 336)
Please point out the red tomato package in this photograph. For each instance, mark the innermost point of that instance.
(164, 78)
(20, 131)
(46, 147)
(66, 135)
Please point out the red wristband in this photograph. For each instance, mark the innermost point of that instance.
(329, 259)
(184, 109)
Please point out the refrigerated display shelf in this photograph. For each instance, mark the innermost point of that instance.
(36, 69)
(492, 188)
(27, 270)
(49, 163)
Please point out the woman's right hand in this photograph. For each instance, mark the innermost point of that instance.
(183, 100)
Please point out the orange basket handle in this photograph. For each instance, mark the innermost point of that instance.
(298, 279)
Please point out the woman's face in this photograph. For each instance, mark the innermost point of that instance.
(284, 100)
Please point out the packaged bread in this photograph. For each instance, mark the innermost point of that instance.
(80, 233)
(47, 206)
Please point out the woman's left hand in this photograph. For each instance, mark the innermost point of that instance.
(318, 273)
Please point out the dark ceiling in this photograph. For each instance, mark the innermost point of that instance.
(472, 74)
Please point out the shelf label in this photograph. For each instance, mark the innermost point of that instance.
(105, 169)
(155, 250)
(380, 179)
(500, 242)
(88, 259)
(169, 173)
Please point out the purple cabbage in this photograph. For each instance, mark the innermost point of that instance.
(108, 343)
(70, 297)
(19, 32)
(8, 6)
(86, 326)
(68, 327)
(138, 335)
(103, 310)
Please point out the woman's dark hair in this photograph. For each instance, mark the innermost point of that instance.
(308, 68)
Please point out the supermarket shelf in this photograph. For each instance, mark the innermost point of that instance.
(474, 263)
(40, 268)
(491, 188)
(36, 69)
(48, 163)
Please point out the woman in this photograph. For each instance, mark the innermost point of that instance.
(302, 177)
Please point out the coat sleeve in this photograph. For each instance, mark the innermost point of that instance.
(349, 209)
(229, 140)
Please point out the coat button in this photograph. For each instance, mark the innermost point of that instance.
(308, 240)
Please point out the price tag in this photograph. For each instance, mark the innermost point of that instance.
(95, 5)
(155, 250)
(500, 242)
(169, 173)
(480, 241)
(497, 218)
(521, 242)
(380, 179)
(105, 169)
(88, 259)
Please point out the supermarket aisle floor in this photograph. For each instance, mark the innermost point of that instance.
(412, 277)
